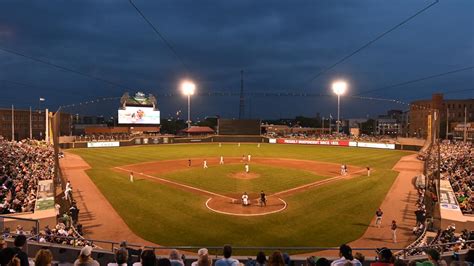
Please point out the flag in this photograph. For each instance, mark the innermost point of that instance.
(42, 99)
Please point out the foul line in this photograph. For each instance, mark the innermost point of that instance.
(317, 183)
(178, 184)
(248, 214)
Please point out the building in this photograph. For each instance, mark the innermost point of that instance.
(198, 131)
(391, 123)
(451, 112)
(26, 122)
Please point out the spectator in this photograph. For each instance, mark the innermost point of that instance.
(43, 257)
(276, 259)
(435, 258)
(261, 259)
(346, 256)
(15, 261)
(85, 258)
(385, 257)
(121, 258)
(175, 259)
(203, 258)
(20, 242)
(131, 253)
(3, 244)
(227, 260)
(360, 257)
(147, 258)
(323, 262)
(6, 255)
(164, 262)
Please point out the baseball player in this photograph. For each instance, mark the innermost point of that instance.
(245, 199)
(368, 171)
(247, 168)
(204, 164)
(263, 199)
(378, 219)
(221, 161)
(258, 145)
(248, 157)
(131, 177)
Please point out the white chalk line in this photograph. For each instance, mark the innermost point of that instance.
(247, 214)
(178, 184)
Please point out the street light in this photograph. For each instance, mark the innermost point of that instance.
(188, 88)
(339, 88)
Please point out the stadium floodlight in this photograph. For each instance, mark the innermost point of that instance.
(188, 88)
(339, 88)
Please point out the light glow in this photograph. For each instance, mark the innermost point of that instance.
(339, 87)
(188, 88)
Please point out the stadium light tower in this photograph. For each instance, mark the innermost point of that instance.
(339, 88)
(188, 88)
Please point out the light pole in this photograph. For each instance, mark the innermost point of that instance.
(188, 88)
(339, 88)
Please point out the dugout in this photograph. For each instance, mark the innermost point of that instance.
(238, 127)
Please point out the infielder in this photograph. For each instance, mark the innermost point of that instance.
(248, 157)
(368, 171)
(221, 160)
(247, 168)
(131, 177)
(204, 164)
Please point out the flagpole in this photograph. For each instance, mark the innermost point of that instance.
(13, 123)
(31, 130)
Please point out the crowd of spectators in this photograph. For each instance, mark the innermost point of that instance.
(22, 165)
(125, 256)
(115, 136)
(457, 166)
(340, 136)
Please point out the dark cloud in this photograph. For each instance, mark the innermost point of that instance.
(279, 44)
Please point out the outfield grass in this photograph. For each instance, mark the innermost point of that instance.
(218, 178)
(322, 216)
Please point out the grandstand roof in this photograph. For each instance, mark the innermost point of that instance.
(198, 129)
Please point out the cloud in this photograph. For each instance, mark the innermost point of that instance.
(279, 44)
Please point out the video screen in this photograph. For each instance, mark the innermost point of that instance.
(139, 115)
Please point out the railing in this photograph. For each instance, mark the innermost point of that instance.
(404, 253)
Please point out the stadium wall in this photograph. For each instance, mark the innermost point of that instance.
(243, 139)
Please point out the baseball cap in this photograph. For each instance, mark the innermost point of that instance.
(86, 251)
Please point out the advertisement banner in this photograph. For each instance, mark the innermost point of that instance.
(102, 144)
(313, 142)
(139, 115)
(376, 145)
(447, 198)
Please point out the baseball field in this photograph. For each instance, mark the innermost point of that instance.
(309, 202)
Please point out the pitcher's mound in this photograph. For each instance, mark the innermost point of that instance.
(244, 175)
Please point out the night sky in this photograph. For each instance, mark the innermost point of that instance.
(280, 45)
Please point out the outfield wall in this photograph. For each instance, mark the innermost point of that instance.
(236, 139)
